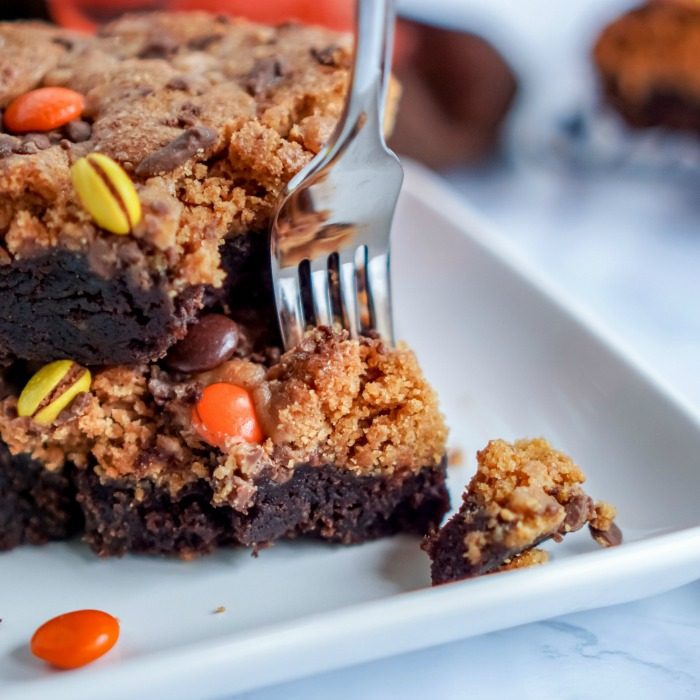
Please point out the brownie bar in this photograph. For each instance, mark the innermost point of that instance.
(647, 61)
(353, 449)
(324, 502)
(36, 505)
(209, 117)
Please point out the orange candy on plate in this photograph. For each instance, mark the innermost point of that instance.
(75, 638)
(225, 412)
(43, 109)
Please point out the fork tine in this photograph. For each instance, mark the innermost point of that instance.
(348, 291)
(320, 291)
(379, 294)
(290, 310)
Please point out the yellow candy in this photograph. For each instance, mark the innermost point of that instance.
(42, 387)
(106, 192)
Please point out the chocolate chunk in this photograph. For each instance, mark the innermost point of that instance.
(201, 43)
(177, 152)
(329, 56)
(159, 47)
(41, 141)
(63, 41)
(8, 145)
(78, 131)
(579, 510)
(263, 75)
(27, 148)
(208, 343)
(179, 82)
(611, 537)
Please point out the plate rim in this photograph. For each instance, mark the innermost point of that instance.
(348, 625)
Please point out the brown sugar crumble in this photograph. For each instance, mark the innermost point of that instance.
(522, 494)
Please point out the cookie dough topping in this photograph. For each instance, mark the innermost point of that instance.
(51, 390)
(107, 192)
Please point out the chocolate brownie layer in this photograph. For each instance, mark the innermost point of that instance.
(648, 64)
(56, 301)
(324, 502)
(36, 505)
(62, 300)
(209, 117)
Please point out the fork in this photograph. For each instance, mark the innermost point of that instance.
(329, 239)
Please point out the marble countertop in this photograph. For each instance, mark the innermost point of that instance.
(627, 247)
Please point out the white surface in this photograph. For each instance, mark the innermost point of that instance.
(527, 368)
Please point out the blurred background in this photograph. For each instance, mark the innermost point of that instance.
(588, 162)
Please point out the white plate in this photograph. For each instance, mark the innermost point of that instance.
(510, 359)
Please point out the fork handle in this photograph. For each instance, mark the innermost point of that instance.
(363, 116)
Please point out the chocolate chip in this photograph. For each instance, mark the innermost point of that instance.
(179, 82)
(177, 152)
(611, 537)
(27, 148)
(579, 511)
(329, 56)
(263, 75)
(8, 145)
(201, 43)
(62, 41)
(78, 131)
(210, 342)
(41, 141)
(159, 47)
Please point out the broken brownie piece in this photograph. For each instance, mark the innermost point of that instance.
(647, 61)
(522, 494)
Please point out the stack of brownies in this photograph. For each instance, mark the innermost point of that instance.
(146, 401)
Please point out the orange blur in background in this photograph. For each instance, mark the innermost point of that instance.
(86, 15)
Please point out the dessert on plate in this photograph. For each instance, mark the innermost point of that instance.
(521, 495)
(146, 401)
(647, 61)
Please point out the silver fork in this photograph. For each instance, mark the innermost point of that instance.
(329, 240)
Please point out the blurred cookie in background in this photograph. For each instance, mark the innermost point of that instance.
(648, 62)
(457, 90)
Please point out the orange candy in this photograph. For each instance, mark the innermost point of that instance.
(224, 412)
(336, 14)
(43, 109)
(75, 638)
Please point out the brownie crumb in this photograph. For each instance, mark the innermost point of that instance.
(530, 557)
(522, 494)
